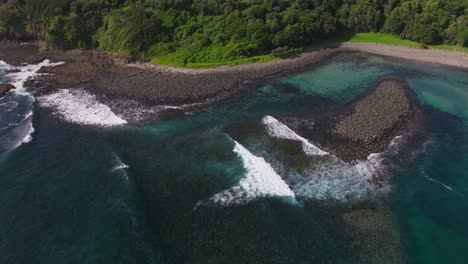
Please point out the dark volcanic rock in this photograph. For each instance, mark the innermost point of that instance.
(111, 75)
(366, 125)
(15, 54)
(5, 88)
(31, 83)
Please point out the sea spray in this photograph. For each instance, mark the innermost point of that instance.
(23, 73)
(17, 105)
(260, 180)
(280, 130)
(118, 166)
(81, 107)
(330, 178)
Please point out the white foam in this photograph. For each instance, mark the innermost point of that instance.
(442, 184)
(81, 107)
(17, 79)
(279, 130)
(260, 180)
(22, 134)
(5, 66)
(28, 138)
(335, 180)
(26, 72)
(119, 166)
(330, 178)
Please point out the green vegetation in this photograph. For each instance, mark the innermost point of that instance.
(393, 40)
(384, 39)
(205, 33)
(450, 47)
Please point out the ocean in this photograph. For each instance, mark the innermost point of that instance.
(230, 183)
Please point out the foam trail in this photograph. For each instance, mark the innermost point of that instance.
(17, 135)
(443, 185)
(28, 138)
(119, 164)
(336, 180)
(260, 180)
(26, 72)
(17, 79)
(331, 178)
(80, 107)
(279, 130)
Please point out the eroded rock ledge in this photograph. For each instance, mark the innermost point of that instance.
(5, 88)
(364, 126)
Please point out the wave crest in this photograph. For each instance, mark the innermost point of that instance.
(260, 180)
(81, 107)
(279, 130)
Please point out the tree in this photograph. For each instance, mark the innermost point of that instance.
(11, 23)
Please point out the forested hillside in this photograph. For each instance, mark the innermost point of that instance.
(185, 31)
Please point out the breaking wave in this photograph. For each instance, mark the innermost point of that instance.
(336, 180)
(279, 130)
(79, 106)
(327, 178)
(331, 178)
(16, 108)
(119, 166)
(260, 180)
(28, 137)
(23, 73)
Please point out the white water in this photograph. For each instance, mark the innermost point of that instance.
(330, 178)
(336, 180)
(26, 72)
(442, 184)
(19, 118)
(81, 107)
(279, 130)
(28, 138)
(119, 166)
(327, 179)
(260, 180)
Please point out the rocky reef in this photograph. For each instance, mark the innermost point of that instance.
(366, 125)
(5, 88)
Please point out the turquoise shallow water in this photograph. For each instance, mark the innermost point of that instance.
(214, 186)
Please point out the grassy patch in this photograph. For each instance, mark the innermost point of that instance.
(261, 58)
(214, 56)
(172, 59)
(450, 48)
(384, 39)
(393, 40)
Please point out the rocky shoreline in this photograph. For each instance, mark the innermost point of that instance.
(114, 77)
(5, 88)
(102, 73)
(364, 126)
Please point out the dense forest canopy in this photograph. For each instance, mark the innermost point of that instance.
(217, 30)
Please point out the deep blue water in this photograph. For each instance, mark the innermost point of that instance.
(215, 186)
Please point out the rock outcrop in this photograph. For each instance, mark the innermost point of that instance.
(5, 88)
(366, 125)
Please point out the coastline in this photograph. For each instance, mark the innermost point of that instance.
(433, 56)
(111, 76)
(365, 125)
